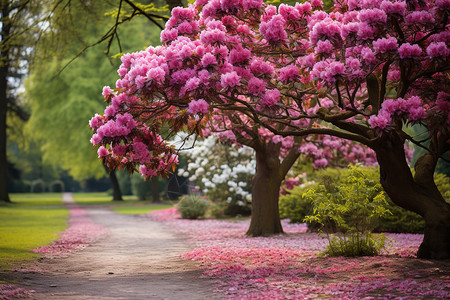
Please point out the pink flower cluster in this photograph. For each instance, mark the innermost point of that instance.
(385, 45)
(198, 106)
(411, 109)
(273, 30)
(407, 50)
(328, 70)
(228, 52)
(326, 149)
(398, 7)
(438, 50)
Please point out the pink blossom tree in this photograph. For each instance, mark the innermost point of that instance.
(275, 155)
(365, 70)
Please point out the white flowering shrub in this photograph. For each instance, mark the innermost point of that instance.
(224, 173)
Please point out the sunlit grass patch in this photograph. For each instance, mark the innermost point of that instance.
(140, 209)
(129, 206)
(37, 199)
(102, 199)
(32, 220)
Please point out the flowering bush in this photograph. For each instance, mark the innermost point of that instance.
(223, 173)
(192, 207)
(351, 208)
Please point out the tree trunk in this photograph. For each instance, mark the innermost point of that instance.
(4, 68)
(265, 219)
(117, 194)
(155, 189)
(418, 194)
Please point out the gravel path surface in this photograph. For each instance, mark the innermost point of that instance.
(139, 259)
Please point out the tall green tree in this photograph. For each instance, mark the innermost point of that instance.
(62, 102)
(58, 26)
(17, 36)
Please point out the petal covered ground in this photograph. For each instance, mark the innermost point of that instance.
(287, 266)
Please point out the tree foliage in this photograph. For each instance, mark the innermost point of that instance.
(61, 102)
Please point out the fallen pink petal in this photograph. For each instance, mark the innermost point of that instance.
(81, 233)
(287, 266)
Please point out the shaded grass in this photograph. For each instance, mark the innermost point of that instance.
(32, 220)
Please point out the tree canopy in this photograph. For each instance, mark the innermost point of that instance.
(378, 66)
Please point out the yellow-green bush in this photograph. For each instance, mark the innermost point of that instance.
(352, 208)
(192, 207)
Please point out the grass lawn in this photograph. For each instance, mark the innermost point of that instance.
(34, 220)
(103, 199)
(31, 221)
(140, 209)
(130, 205)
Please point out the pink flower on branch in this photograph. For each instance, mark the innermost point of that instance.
(230, 80)
(438, 50)
(410, 109)
(256, 86)
(384, 45)
(270, 98)
(398, 7)
(198, 106)
(407, 50)
(273, 30)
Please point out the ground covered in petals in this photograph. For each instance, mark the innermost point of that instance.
(82, 232)
(11, 291)
(287, 266)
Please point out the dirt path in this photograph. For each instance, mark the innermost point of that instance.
(139, 259)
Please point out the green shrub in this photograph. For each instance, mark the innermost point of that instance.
(351, 208)
(355, 244)
(38, 186)
(217, 210)
(443, 184)
(192, 207)
(398, 221)
(295, 207)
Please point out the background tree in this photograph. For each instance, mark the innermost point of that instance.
(25, 23)
(55, 106)
(274, 157)
(17, 37)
